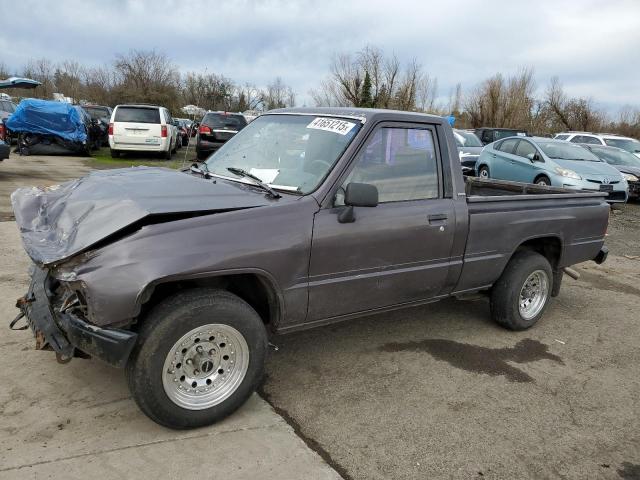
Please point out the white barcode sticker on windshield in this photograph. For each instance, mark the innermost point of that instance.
(332, 125)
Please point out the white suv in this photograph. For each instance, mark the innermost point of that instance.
(626, 143)
(142, 128)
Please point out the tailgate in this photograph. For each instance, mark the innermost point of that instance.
(137, 133)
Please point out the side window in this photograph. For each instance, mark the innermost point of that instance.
(524, 148)
(508, 145)
(592, 140)
(400, 162)
(561, 137)
(487, 136)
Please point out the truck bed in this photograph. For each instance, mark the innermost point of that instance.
(502, 215)
(478, 189)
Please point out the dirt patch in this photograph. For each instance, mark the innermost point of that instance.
(473, 358)
(629, 471)
(623, 238)
(605, 283)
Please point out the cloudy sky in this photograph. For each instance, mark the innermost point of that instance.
(591, 45)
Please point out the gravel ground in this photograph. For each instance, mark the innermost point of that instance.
(431, 392)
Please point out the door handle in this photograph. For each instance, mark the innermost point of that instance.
(437, 217)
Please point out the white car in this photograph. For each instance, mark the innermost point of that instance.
(142, 128)
(626, 143)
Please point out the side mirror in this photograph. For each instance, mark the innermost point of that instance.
(357, 195)
(534, 157)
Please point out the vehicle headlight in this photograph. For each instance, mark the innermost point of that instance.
(629, 177)
(565, 172)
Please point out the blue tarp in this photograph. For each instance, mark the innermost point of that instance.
(44, 117)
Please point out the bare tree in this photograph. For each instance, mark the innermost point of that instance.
(146, 76)
(389, 86)
(278, 95)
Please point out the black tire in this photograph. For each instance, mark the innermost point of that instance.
(115, 153)
(165, 324)
(167, 155)
(505, 293)
(185, 140)
(542, 180)
(482, 169)
(175, 148)
(202, 155)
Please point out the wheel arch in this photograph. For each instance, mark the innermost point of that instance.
(256, 287)
(549, 246)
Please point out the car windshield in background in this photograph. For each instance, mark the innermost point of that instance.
(221, 120)
(137, 115)
(617, 157)
(97, 113)
(560, 150)
(509, 133)
(468, 139)
(291, 152)
(629, 145)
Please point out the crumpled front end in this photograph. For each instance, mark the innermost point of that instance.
(56, 313)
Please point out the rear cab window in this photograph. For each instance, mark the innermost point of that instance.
(137, 115)
(224, 121)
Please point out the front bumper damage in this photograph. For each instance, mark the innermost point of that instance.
(67, 332)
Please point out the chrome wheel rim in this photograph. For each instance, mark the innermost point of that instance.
(484, 173)
(542, 182)
(533, 294)
(205, 366)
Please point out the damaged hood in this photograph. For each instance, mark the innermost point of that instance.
(60, 221)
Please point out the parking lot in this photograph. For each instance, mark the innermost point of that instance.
(432, 392)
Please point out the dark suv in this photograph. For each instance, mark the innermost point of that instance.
(490, 135)
(215, 129)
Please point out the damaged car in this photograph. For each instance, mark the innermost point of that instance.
(304, 218)
(48, 127)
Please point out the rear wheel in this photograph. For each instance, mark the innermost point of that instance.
(202, 155)
(483, 172)
(167, 155)
(521, 294)
(115, 153)
(200, 355)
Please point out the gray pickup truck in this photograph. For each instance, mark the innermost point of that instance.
(306, 217)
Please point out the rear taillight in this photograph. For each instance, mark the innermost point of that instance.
(3, 131)
(163, 131)
(204, 129)
(111, 129)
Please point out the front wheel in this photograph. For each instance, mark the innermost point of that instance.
(544, 181)
(483, 172)
(521, 294)
(200, 355)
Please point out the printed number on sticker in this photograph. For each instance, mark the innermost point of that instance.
(332, 125)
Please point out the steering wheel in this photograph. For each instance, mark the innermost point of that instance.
(320, 163)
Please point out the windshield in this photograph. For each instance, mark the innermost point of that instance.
(97, 113)
(224, 120)
(291, 152)
(137, 115)
(508, 133)
(467, 139)
(560, 150)
(616, 156)
(627, 144)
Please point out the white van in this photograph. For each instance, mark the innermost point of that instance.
(142, 128)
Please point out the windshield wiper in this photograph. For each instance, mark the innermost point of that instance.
(203, 170)
(243, 173)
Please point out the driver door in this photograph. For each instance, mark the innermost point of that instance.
(397, 252)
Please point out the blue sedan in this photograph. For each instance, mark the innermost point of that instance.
(544, 161)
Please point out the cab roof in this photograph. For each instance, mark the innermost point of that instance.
(362, 114)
